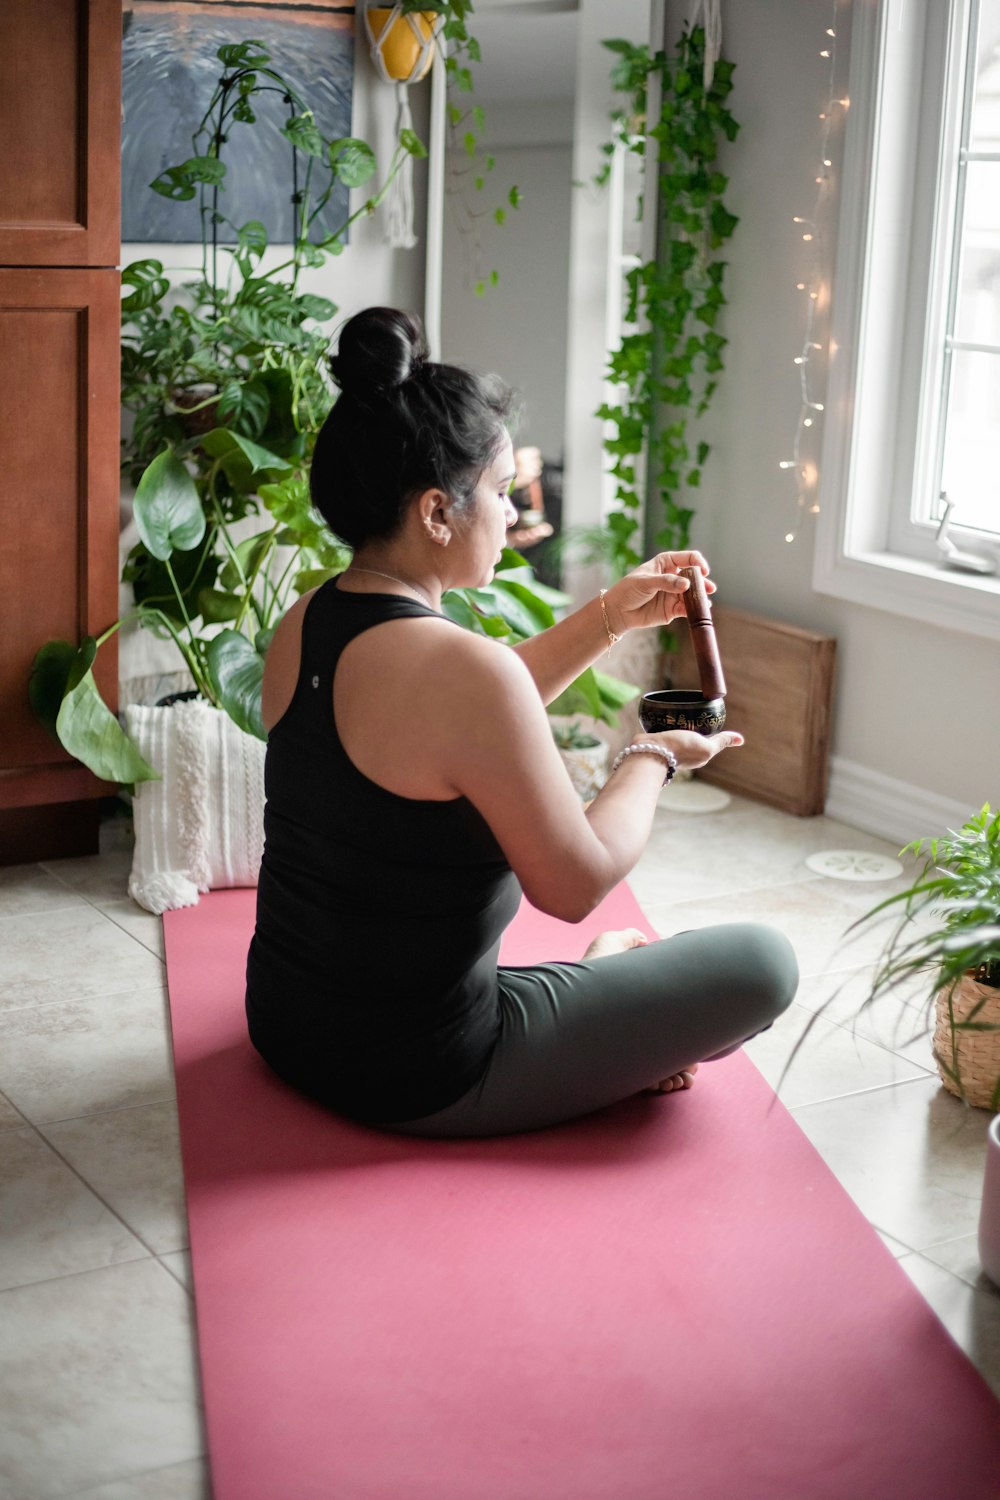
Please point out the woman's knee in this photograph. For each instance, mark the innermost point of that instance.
(771, 971)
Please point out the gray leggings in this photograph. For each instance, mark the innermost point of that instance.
(575, 1037)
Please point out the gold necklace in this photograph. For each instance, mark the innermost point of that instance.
(377, 573)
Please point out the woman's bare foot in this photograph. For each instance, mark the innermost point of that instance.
(682, 1080)
(606, 943)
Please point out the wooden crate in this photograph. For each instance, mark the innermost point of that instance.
(780, 689)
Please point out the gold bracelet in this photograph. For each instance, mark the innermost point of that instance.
(612, 638)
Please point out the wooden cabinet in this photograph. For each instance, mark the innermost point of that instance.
(59, 373)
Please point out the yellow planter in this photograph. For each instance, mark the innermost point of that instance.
(401, 46)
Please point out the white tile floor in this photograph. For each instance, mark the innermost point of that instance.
(99, 1391)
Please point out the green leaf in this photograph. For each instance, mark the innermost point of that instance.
(412, 143)
(167, 508)
(236, 672)
(174, 184)
(251, 244)
(521, 608)
(150, 285)
(455, 605)
(243, 55)
(215, 606)
(249, 552)
(614, 692)
(302, 131)
(89, 730)
(353, 160)
(581, 696)
(47, 684)
(320, 308)
(207, 169)
(311, 578)
(288, 501)
(242, 459)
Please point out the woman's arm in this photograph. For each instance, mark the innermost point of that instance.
(495, 747)
(650, 595)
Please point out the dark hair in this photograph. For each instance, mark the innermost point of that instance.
(402, 424)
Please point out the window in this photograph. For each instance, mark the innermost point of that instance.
(913, 408)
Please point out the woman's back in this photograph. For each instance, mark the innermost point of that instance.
(379, 916)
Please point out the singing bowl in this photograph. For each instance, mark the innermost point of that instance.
(681, 708)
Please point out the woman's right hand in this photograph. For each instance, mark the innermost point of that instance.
(692, 750)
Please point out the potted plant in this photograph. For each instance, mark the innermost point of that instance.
(949, 930)
(584, 756)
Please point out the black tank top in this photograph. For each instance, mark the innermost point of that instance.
(371, 977)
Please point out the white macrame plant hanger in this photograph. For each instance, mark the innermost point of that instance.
(399, 231)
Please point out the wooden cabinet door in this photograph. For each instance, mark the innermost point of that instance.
(60, 125)
(58, 505)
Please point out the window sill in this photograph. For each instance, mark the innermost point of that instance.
(921, 591)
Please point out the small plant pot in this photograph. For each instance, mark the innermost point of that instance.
(969, 1061)
(588, 769)
(402, 45)
(989, 1214)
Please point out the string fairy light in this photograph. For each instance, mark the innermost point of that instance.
(814, 288)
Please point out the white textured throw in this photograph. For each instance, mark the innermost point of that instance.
(201, 827)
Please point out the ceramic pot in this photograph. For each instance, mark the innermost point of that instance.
(681, 708)
(989, 1214)
(588, 769)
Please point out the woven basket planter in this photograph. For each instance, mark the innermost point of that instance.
(973, 1055)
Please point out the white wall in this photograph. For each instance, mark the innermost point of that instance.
(519, 327)
(914, 703)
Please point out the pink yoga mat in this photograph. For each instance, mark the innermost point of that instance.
(672, 1297)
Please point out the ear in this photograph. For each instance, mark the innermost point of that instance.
(434, 515)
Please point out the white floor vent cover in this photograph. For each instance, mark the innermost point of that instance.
(853, 864)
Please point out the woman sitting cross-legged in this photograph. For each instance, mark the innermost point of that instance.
(414, 791)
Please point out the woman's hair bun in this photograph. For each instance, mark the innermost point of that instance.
(378, 350)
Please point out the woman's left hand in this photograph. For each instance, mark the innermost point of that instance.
(653, 593)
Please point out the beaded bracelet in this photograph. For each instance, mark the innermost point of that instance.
(661, 750)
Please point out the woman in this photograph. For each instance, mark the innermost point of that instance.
(414, 791)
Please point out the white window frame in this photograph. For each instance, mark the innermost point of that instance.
(881, 426)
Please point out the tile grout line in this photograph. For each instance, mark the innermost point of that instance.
(878, 1088)
(102, 1200)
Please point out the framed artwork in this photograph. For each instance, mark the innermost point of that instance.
(169, 73)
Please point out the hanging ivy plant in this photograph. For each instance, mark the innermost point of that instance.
(469, 165)
(669, 366)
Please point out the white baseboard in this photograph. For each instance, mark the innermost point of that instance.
(894, 810)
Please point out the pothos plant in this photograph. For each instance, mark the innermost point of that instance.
(668, 367)
(228, 388)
